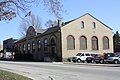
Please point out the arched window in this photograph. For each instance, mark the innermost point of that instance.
(39, 45)
(33, 45)
(28, 46)
(94, 25)
(105, 43)
(24, 47)
(94, 43)
(70, 43)
(20, 47)
(83, 43)
(53, 42)
(82, 25)
(45, 44)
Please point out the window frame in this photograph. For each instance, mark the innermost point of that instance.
(39, 45)
(28, 46)
(45, 44)
(69, 38)
(94, 25)
(24, 47)
(82, 25)
(95, 42)
(85, 40)
(104, 44)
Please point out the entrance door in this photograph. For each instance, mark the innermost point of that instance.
(53, 51)
(53, 54)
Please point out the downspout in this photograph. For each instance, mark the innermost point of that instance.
(59, 25)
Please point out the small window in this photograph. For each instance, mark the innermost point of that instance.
(94, 25)
(82, 25)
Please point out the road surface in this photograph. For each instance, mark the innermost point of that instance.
(60, 71)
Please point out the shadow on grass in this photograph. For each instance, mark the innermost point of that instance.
(4, 75)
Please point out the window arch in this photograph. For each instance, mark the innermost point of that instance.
(105, 42)
(94, 43)
(82, 24)
(83, 43)
(45, 44)
(70, 42)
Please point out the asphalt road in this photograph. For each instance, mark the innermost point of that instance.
(60, 71)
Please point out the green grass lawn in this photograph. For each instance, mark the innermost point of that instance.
(4, 75)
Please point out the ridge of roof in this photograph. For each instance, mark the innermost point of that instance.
(50, 30)
(40, 30)
(74, 19)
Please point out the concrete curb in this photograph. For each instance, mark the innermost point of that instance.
(90, 64)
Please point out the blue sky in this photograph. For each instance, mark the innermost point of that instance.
(107, 11)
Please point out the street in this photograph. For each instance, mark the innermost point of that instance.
(60, 71)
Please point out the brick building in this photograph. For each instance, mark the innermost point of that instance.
(83, 34)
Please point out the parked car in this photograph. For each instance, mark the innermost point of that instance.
(69, 59)
(83, 57)
(8, 55)
(95, 58)
(99, 59)
(90, 59)
(1, 55)
(113, 59)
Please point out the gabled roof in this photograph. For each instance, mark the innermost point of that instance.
(50, 30)
(89, 15)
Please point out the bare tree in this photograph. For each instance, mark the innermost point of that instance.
(50, 23)
(54, 7)
(30, 20)
(9, 8)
